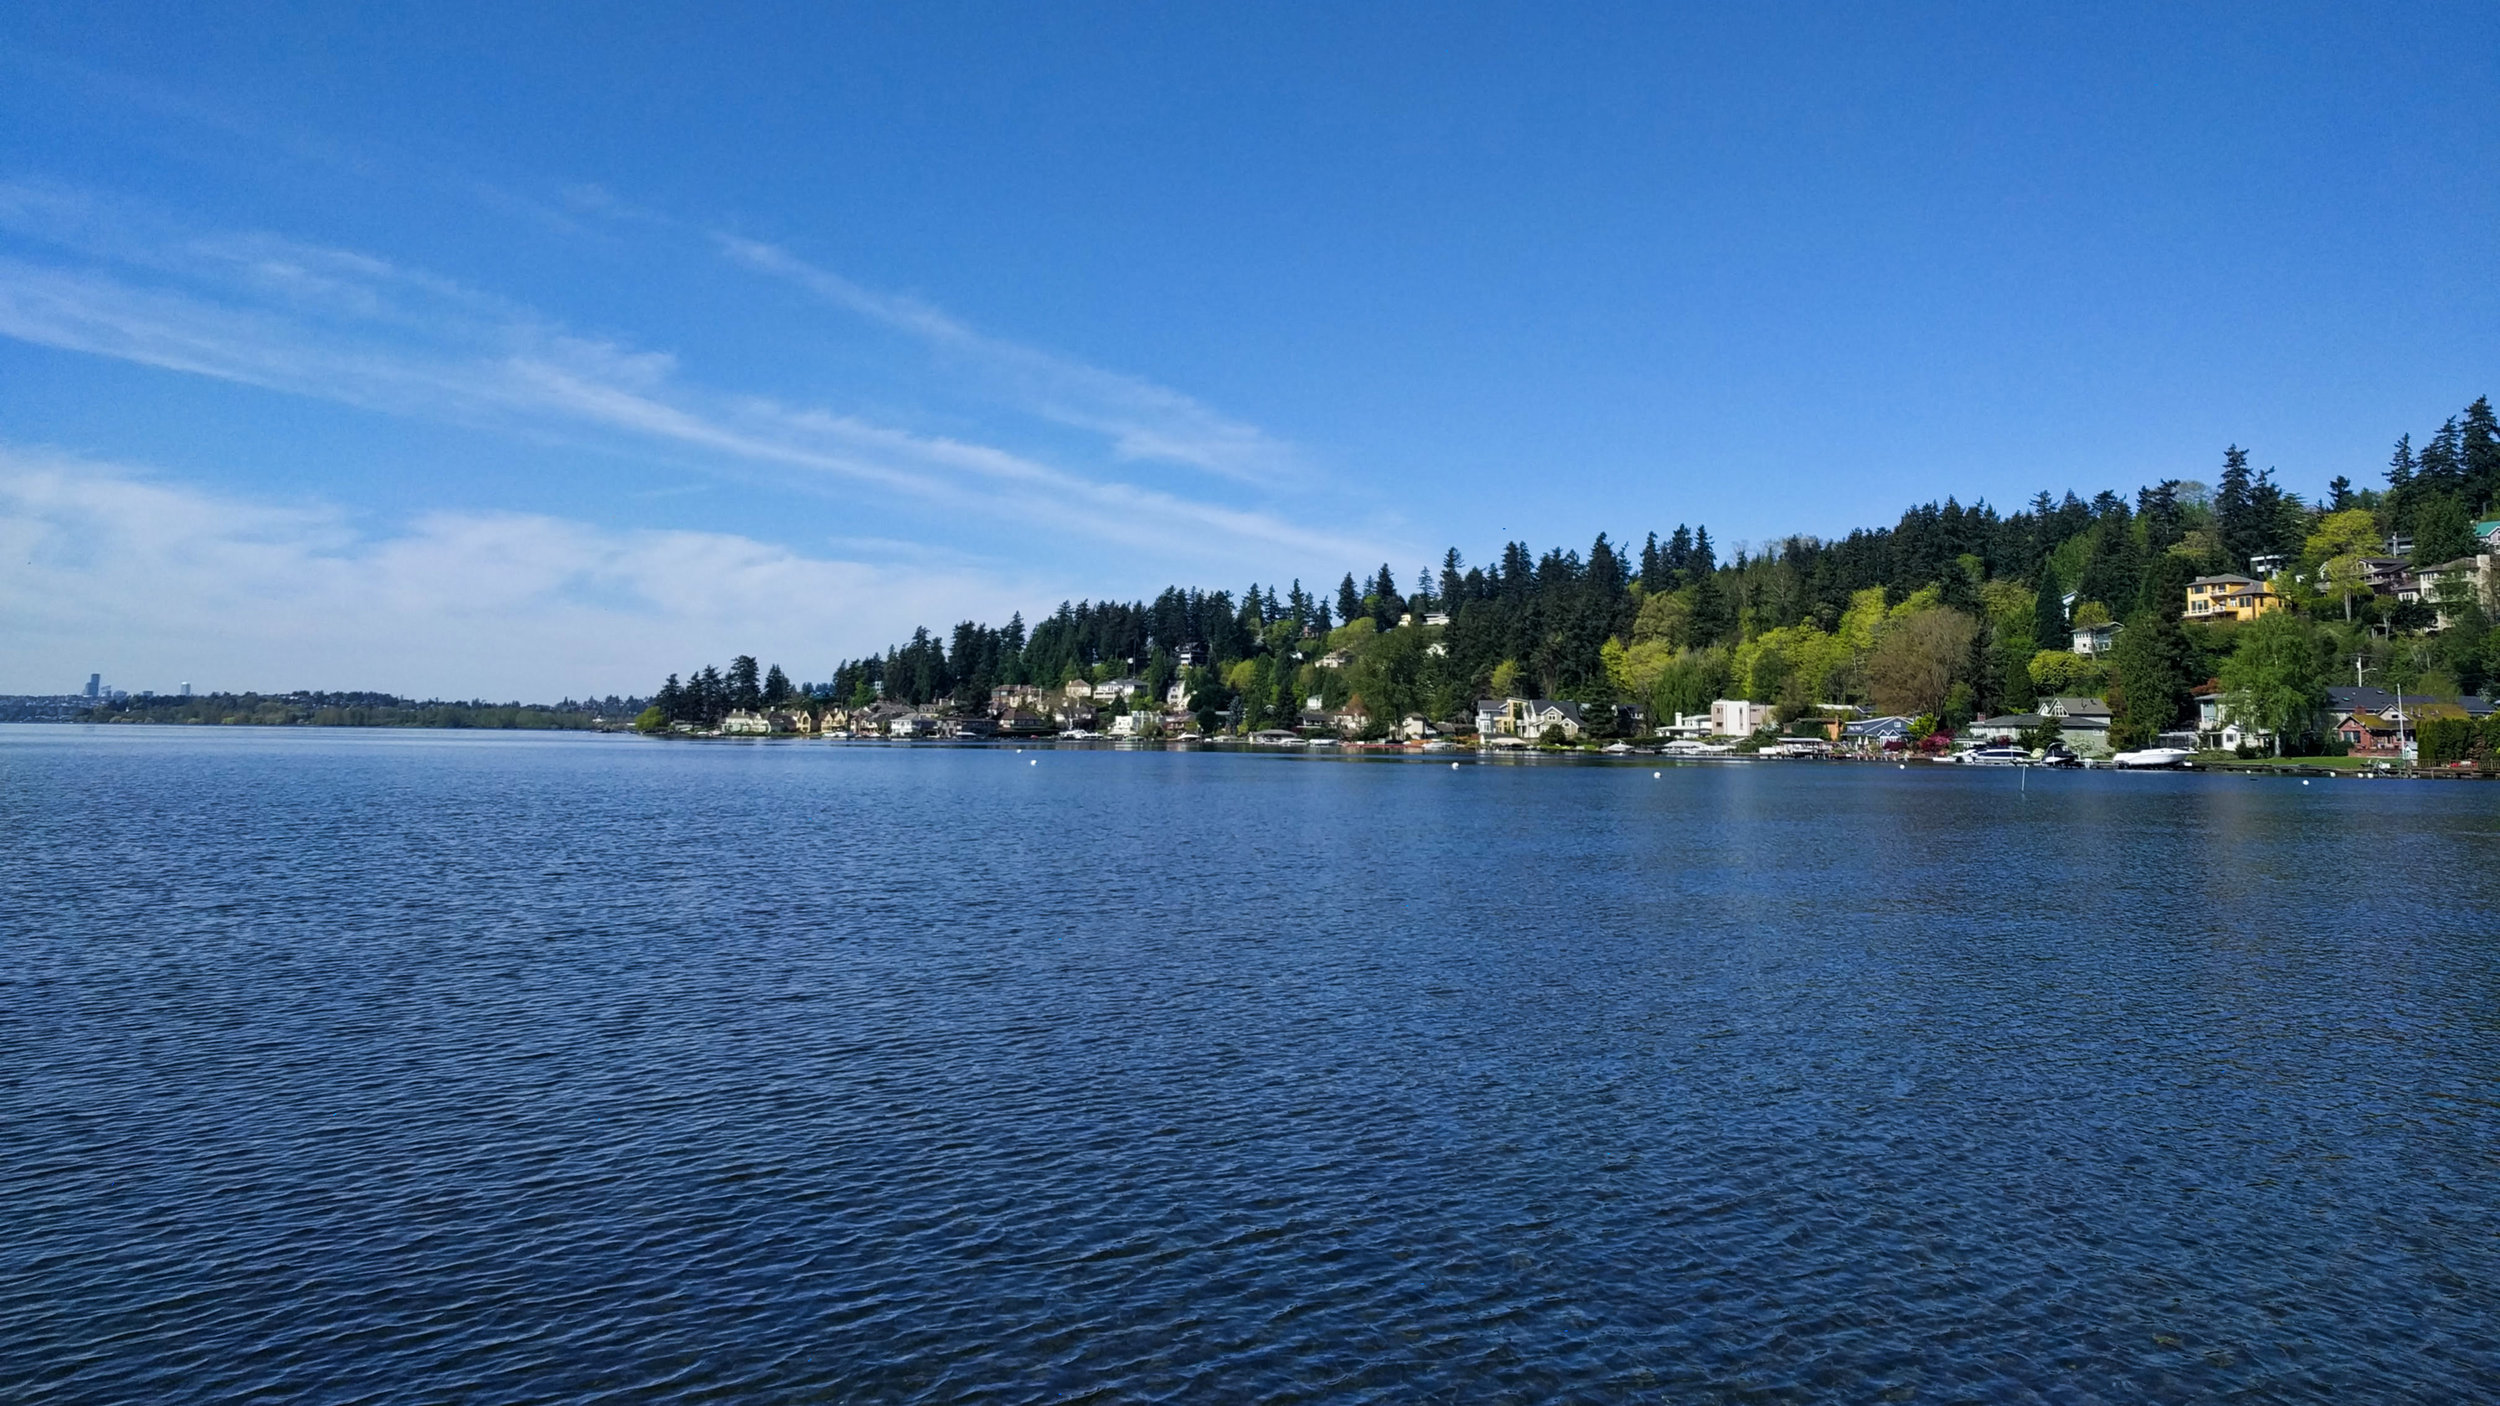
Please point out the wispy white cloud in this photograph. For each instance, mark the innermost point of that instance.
(155, 582)
(350, 327)
(1142, 420)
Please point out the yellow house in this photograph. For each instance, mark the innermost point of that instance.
(2230, 598)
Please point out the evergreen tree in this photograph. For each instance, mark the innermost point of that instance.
(746, 689)
(2269, 512)
(1349, 600)
(1713, 618)
(2234, 515)
(776, 686)
(2441, 467)
(2441, 531)
(2149, 684)
(671, 701)
(2481, 453)
(2338, 494)
(2048, 611)
(2400, 468)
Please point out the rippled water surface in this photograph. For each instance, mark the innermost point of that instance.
(496, 1068)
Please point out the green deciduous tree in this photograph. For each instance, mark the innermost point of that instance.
(2276, 676)
(1918, 659)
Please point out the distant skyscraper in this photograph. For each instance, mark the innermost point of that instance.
(95, 685)
(186, 690)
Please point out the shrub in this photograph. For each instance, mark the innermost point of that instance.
(2445, 740)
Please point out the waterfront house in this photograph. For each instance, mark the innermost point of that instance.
(2093, 641)
(2229, 597)
(1353, 718)
(1415, 727)
(1008, 697)
(1018, 722)
(2002, 730)
(2215, 727)
(1077, 690)
(1118, 688)
(1527, 718)
(1735, 717)
(742, 723)
(915, 725)
(1688, 727)
(2082, 723)
(2366, 733)
(1138, 724)
(1074, 714)
(1873, 736)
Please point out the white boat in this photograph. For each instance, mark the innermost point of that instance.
(1618, 749)
(1687, 748)
(2151, 757)
(1995, 756)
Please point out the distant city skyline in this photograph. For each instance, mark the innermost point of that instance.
(526, 354)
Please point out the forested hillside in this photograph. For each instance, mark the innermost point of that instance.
(1953, 611)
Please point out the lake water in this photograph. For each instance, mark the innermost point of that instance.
(461, 1067)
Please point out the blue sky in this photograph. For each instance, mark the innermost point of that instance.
(521, 351)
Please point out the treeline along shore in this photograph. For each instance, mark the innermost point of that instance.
(348, 709)
(2236, 615)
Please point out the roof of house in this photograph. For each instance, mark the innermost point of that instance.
(2007, 720)
(1875, 727)
(2077, 707)
(2224, 580)
(2346, 697)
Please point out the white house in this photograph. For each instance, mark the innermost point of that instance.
(2093, 641)
(1734, 717)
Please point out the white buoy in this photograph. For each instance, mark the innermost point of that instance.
(2304, 783)
(1453, 766)
(1656, 774)
(1035, 762)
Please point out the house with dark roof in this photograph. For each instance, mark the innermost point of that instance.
(1527, 717)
